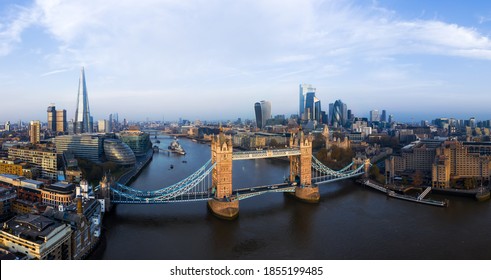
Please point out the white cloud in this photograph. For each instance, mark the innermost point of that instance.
(201, 37)
(15, 21)
(55, 72)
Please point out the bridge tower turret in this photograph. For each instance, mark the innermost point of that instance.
(301, 169)
(367, 166)
(105, 191)
(223, 205)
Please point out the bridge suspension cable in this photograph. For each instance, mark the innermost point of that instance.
(194, 187)
(323, 174)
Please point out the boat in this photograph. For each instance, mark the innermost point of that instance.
(158, 141)
(483, 194)
(175, 147)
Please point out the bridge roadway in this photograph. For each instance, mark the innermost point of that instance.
(240, 194)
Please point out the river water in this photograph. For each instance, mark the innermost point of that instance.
(350, 222)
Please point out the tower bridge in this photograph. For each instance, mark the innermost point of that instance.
(213, 181)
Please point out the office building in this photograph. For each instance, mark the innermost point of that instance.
(338, 113)
(61, 122)
(103, 126)
(312, 107)
(57, 120)
(43, 159)
(417, 156)
(52, 117)
(304, 90)
(118, 152)
(263, 113)
(85, 146)
(83, 120)
(58, 194)
(37, 237)
(138, 141)
(374, 116)
(461, 160)
(35, 132)
(383, 117)
(7, 126)
(10, 167)
(7, 197)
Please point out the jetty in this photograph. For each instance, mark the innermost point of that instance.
(391, 193)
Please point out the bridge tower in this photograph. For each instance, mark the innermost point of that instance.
(223, 205)
(367, 166)
(301, 169)
(362, 161)
(105, 191)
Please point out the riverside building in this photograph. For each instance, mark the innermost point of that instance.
(138, 141)
(87, 146)
(461, 160)
(36, 237)
(44, 159)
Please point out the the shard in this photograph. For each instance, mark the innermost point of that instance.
(83, 121)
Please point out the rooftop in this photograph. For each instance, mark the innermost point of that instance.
(31, 227)
(61, 187)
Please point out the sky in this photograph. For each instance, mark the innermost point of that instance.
(212, 60)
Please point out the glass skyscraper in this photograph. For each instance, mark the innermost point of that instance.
(52, 118)
(304, 90)
(263, 113)
(338, 113)
(83, 123)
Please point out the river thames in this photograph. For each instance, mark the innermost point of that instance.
(351, 222)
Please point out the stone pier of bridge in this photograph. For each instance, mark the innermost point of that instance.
(301, 169)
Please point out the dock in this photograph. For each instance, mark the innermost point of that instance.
(391, 193)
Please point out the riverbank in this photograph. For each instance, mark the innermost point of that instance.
(141, 162)
(480, 194)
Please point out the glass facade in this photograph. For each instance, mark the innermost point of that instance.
(139, 142)
(263, 113)
(82, 146)
(83, 122)
(118, 152)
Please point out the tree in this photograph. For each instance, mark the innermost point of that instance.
(404, 180)
(375, 174)
(374, 171)
(417, 178)
(109, 166)
(469, 183)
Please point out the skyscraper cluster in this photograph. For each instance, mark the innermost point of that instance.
(376, 116)
(57, 119)
(309, 104)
